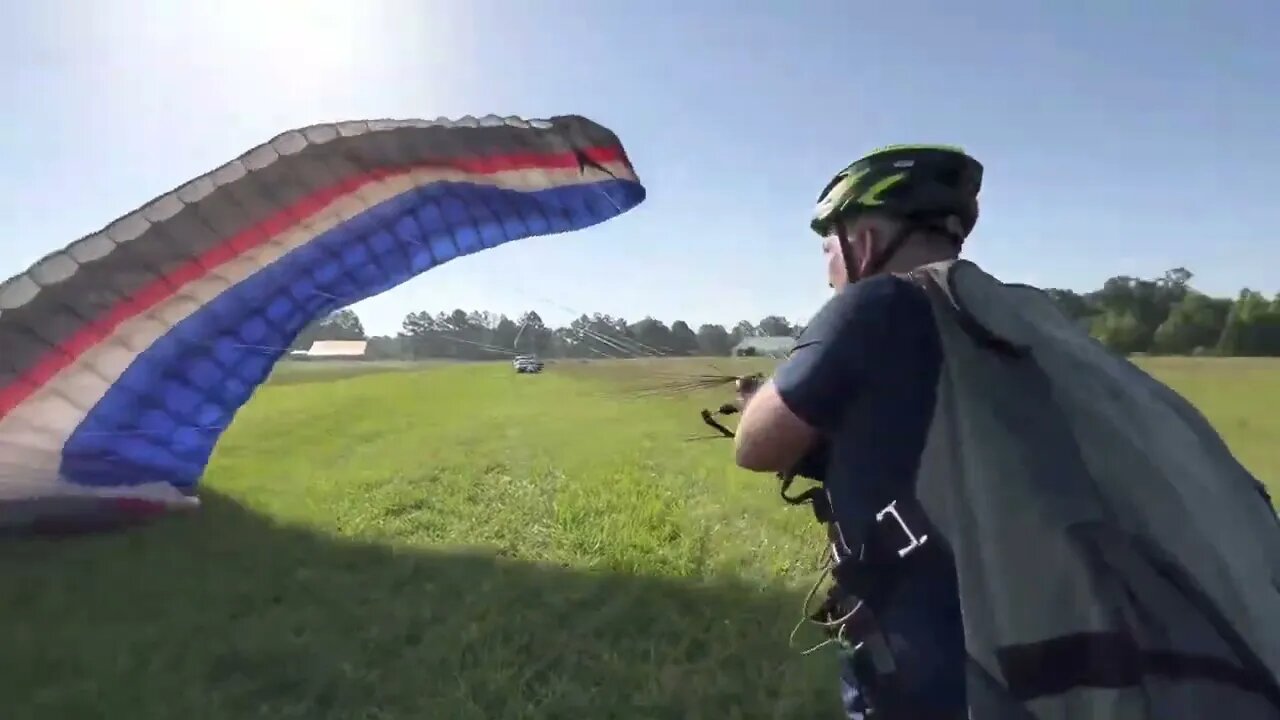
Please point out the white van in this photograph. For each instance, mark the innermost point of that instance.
(527, 364)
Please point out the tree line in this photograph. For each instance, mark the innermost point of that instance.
(1166, 316)
(1163, 315)
(478, 335)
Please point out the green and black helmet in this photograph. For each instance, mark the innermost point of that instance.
(924, 183)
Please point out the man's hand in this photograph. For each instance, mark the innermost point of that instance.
(770, 437)
(746, 387)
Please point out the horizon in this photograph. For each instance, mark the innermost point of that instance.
(1116, 142)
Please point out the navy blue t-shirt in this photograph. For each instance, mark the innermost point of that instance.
(865, 373)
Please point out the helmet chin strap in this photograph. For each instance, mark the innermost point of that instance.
(877, 261)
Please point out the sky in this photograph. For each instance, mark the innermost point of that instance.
(1118, 138)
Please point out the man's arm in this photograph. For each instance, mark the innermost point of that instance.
(770, 437)
(809, 393)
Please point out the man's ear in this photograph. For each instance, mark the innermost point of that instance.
(954, 225)
(874, 236)
(864, 239)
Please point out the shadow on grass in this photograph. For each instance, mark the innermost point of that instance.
(225, 614)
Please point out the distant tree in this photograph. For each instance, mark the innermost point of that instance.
(382, 347)
(1163, 314)
(714, 340)
(683, 340)
(1120, 330)
(1072, 304)
(654, 335)
(744, 329)
(504, 333)
(1252, 327)
(532, 335)
(1143, 304)
(343, 324)
(346, 325)
(600, 335)
(775, 326)
(1194, 322)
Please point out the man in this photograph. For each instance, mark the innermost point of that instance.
(862, 375)
(978, 450)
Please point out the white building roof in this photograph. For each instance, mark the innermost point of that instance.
(768, 345)
(338, 348)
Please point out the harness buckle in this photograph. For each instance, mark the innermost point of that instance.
(913, 541)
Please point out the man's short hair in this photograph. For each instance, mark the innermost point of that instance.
(943, 233)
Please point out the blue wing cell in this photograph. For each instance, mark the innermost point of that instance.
(128, 352)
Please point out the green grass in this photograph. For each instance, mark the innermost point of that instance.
(460, 542)
(295, 372)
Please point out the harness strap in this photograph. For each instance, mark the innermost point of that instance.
(865, 582)
(815, 497)
(979, 333)
(899, 540)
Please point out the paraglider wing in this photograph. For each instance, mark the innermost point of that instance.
(126, 354)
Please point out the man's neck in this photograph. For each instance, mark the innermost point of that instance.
(910, 258)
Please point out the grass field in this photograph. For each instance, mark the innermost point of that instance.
(457, 542)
